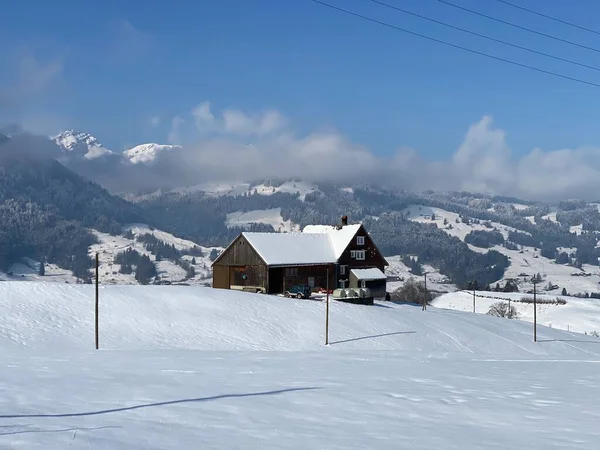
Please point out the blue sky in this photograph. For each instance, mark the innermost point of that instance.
(110, 69)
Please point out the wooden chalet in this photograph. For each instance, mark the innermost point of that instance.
(273, 262)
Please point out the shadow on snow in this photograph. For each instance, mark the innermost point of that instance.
(373, 337)
(149, 405)
(62, 430)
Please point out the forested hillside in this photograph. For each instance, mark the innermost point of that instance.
(549, 228)
(45, 210)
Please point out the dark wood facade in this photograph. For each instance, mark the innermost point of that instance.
(346, 262)
(282, 278)
(240, 267)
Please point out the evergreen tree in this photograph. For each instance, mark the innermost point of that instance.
(564, 291)
(42, 269)
(562, 258)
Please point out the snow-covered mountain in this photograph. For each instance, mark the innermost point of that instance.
(84, 145)
(147, 153)
(80, 144)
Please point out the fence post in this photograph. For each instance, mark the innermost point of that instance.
(327, 311)
(96, 315)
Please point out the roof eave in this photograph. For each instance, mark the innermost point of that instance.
(303, 264)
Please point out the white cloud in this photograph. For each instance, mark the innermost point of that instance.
(174, 135)
(155, 121)
(127, 43)
(31, 76)
(237, 122)
(203, 118)
(237, 145)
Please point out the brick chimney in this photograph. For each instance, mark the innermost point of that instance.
(344, 221)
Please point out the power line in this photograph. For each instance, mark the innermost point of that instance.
(449, 44)
(556, 19)
(530, 30)
(484, 36)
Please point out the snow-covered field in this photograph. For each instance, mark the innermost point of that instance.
(109, 246)
(419, 213)
(579, 314)
(527, 261)
(436, 282)
(271, 217)
(192, 367)
(301, 188)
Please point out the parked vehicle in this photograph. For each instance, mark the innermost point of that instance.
(299, 291)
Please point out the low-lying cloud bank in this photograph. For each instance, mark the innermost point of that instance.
(235, 145)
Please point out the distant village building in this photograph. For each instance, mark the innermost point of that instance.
(273, 262)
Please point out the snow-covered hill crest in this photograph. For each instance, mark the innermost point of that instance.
(80, 144)
(46, 315)
(147, 153)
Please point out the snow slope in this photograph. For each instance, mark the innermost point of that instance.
(301, 188)
(47, 316)
(266, 216)
(579, 314)
(436, 282)
(109, 246)
(305, 400)
(289, 187)
(420, 213)
(147, 153)
(527, 261)
(183, 376)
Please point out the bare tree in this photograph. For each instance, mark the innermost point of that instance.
(503, 309)
(412, 291)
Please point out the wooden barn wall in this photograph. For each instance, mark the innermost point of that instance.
(221, 277)
(248, 275)
(240, 253)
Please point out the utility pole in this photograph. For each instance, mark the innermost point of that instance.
(535, 310)
(473, 297)
(327, 311)
(96, 315)
(425, 296)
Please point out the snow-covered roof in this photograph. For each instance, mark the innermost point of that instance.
(339, 238)
(281, 249)
(368, 274)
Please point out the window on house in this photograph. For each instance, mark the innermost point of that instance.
(353, 253)
(342, 270)
(360, 240)
(360, 255)
(342, 283)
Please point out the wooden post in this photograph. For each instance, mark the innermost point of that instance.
(96, 316)
(327, 311)
(473, 297)
(534, 312)
(425, 297)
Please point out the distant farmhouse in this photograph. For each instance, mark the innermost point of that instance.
(273, 262)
